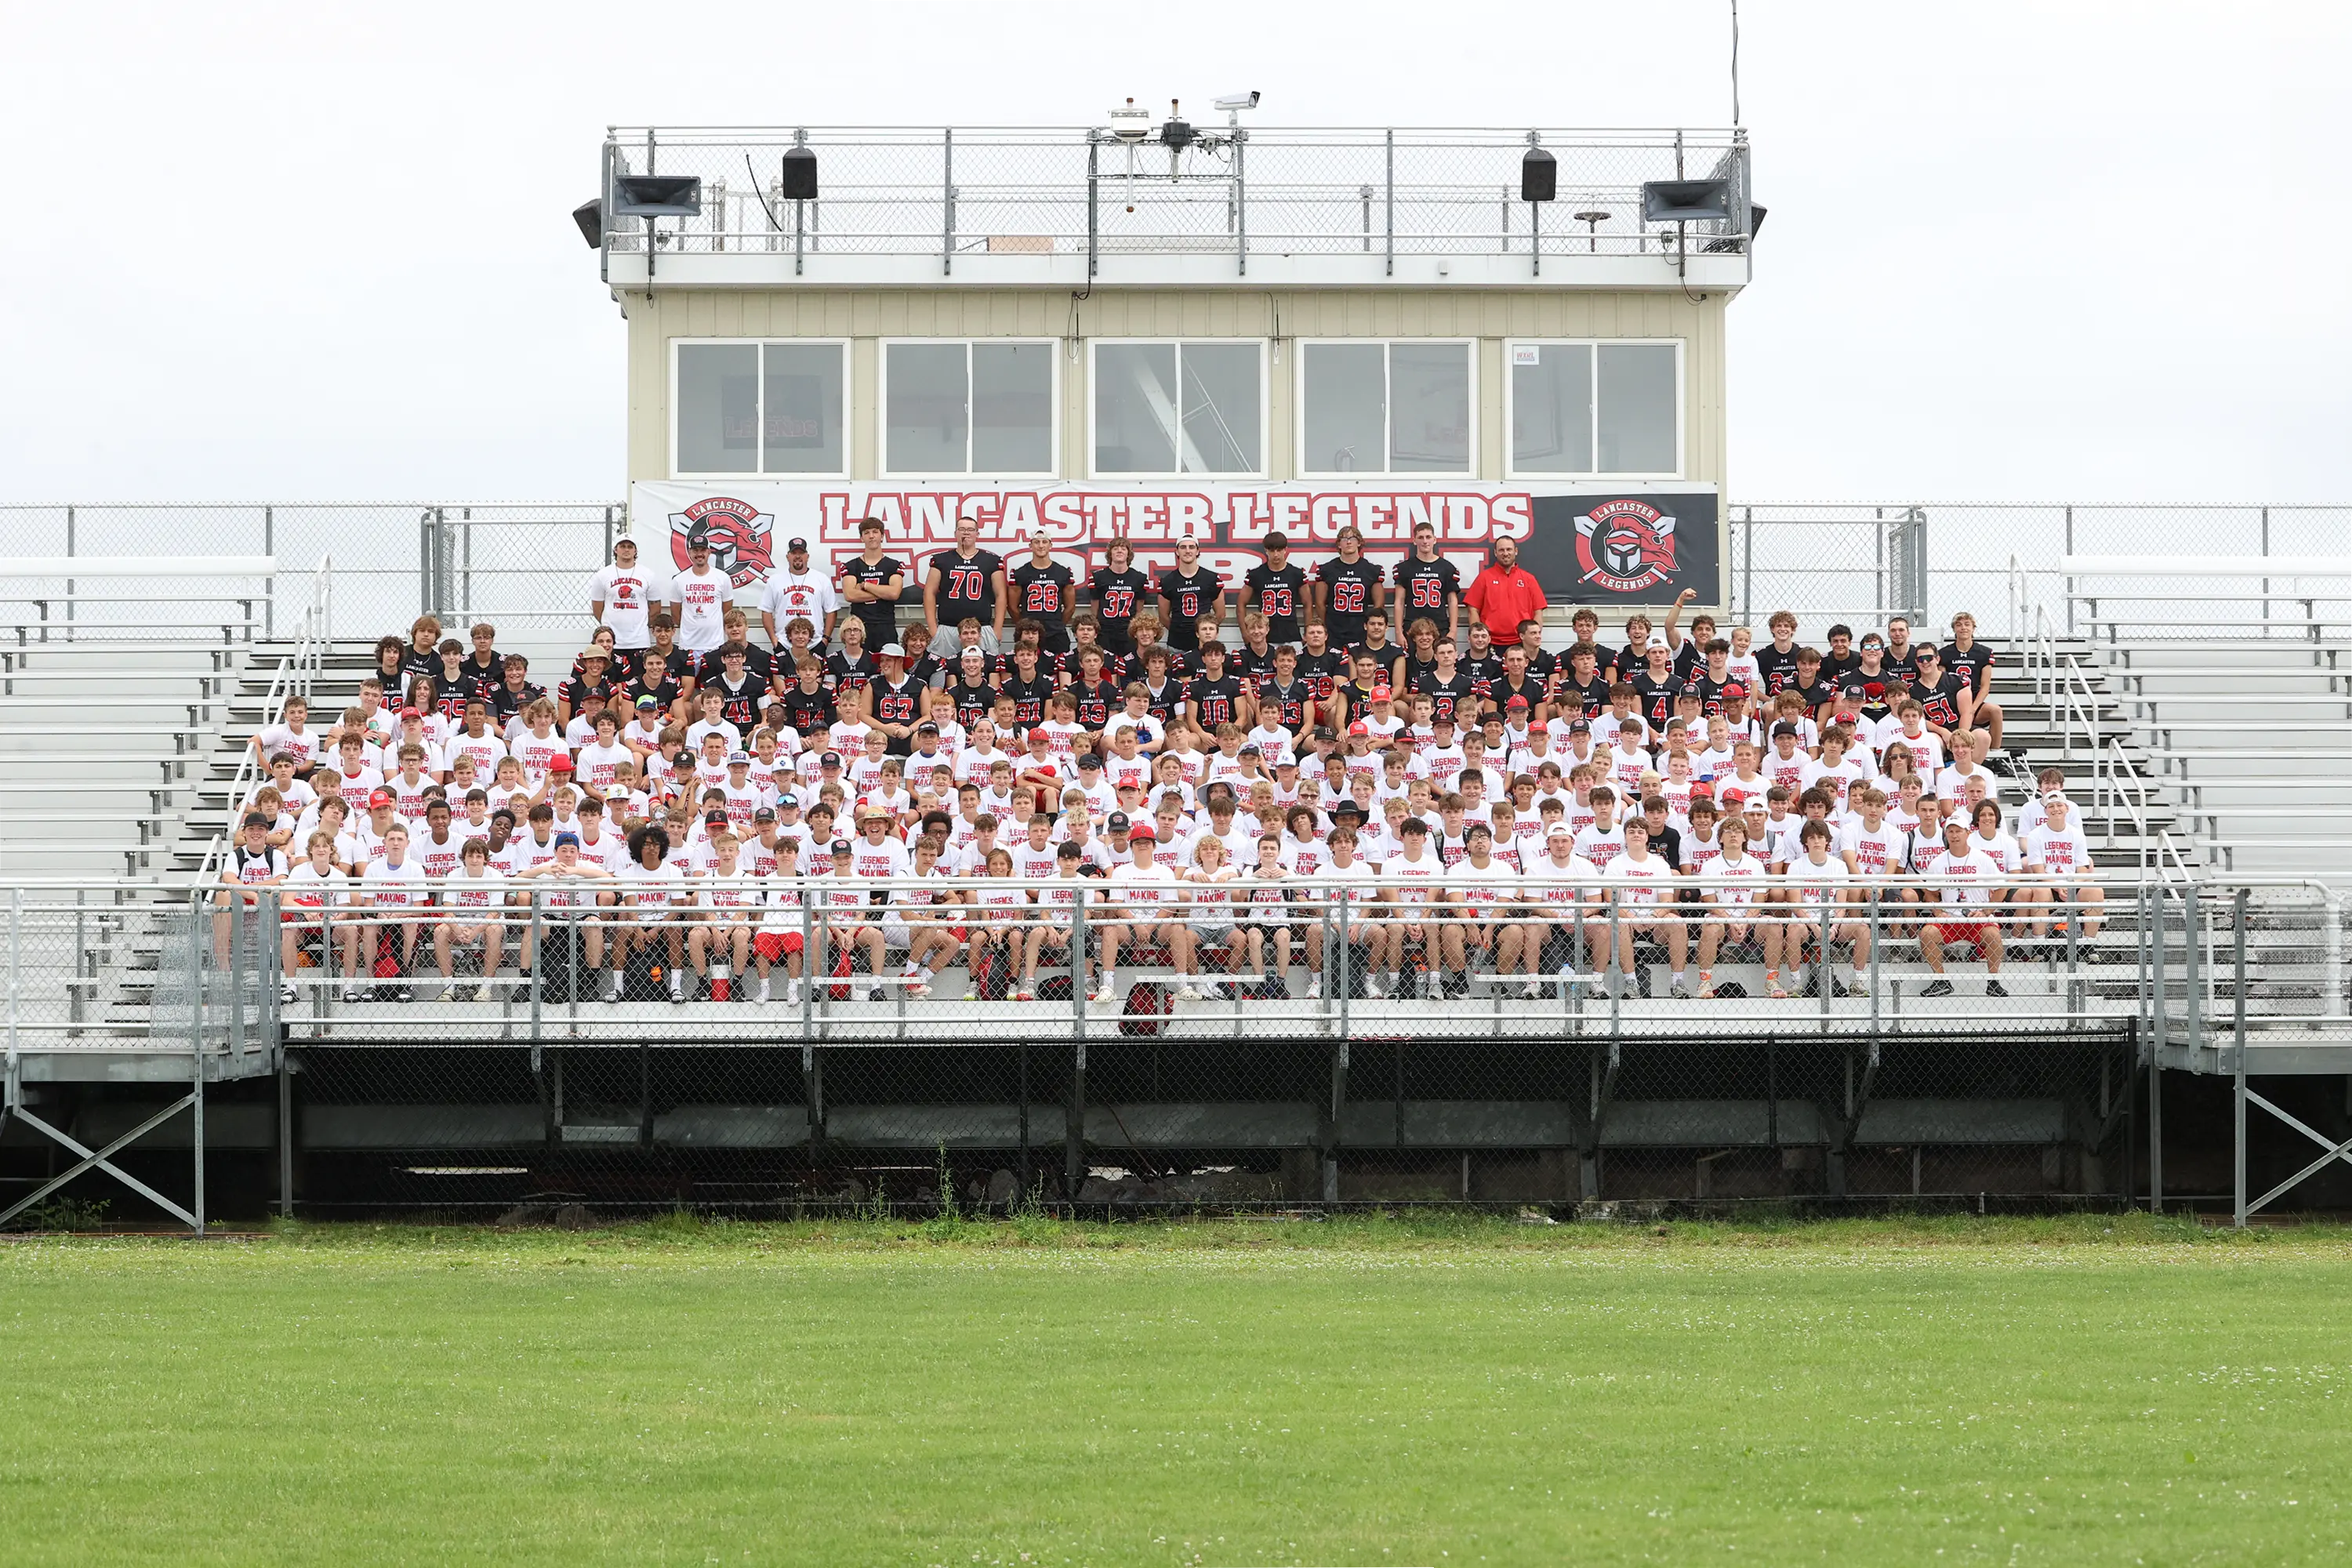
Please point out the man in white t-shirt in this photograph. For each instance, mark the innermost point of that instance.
(393, 890)
(1971, 886)
(1144, 902)
(472, 899)
(1815, 893)
(2060, 855)
(622, 596)
(1640, 885)
(803, 590)
(699, 598)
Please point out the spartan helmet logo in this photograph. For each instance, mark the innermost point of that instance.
(1626, 546)
(739, 535)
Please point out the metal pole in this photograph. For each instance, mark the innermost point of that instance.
(1093, 205)
(1073, 1130)
(196, 1045)
(1241, 204)
(809, 964)
(2266, 598)
(947, 200)
(2191, 931)
(2070, 550)
(2238, 1094)
(2156, 1066)
(71, 521)
(1748, 564)
(538, 962)
(269, 548)
(16, 969)
(1391, 268)
(1344, 951)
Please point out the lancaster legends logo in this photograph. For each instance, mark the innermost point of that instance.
(741, 537)
(1626, 546)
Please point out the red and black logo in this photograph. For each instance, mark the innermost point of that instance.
(740, 537)
(1626, 546)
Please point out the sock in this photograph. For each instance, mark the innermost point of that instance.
(1681, 979)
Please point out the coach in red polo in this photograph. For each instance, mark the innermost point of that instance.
(1504, 593)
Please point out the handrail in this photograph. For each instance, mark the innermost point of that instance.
(2065, 688)
(297, 672)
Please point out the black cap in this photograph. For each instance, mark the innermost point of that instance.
(765, 813)
(1785, 727)
(796, 544)
(1088, 760)
(255, 819)
(1324, 732)
(1853, 689)
(714, 819)
(1116, 823)
(1579, 726)
(841, 847)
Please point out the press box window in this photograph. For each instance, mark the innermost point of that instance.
(1595, 408)
(1396, 409)
(760, 409)
(983, 407)
(1178, 409)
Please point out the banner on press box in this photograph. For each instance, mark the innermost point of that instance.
(1586, 544)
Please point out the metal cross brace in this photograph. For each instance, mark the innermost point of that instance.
(103, 1161)
(2335, 1151)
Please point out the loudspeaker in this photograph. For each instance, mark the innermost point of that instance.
(1685, 201)
(798, 181)
(590, 216)
(1539, 176)
(657, 196)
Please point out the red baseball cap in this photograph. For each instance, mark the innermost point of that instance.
(1379, 694)
(1143, 832)
(1734, 690)
(559, 763)
(1041, 734)
(1360, 727)
(411, 713)
(380, 797)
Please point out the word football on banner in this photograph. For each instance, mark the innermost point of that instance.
(1585, 544)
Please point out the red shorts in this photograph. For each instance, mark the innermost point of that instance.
(1969, 932)
(773, 945)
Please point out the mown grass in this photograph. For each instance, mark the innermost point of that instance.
(1437, 1389)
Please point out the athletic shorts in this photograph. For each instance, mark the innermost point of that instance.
(773, 945)
(1213, 935)
(1969, 932)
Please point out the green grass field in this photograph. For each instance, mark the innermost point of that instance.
(1374, 1391)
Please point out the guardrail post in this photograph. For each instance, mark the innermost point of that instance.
(1241, 204)
(1074, 1128)
(269, 548)
(2156, 1061)
(70, 520)
(2192, 940)
(947, 200)
(1391, 268)
(16, 971)
(1341, 955)
(538, 965)
(2238, 1093)
(1094, 201)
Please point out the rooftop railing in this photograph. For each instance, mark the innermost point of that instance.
(1218, 190)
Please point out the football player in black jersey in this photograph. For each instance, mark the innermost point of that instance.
(1117, 589)
(1285, 694)
(1043, 592)
(1276, 589)
(1347, 588)
(870, 582)
(1097, 694)
(1452, 695)
(1381, 648)
(1214, 697)
(1428, 585)
(808, 707)
(1817, 692)
(1541, 664)
(1420, 654)
(1578, 689)
(848, 670)
(1972, 662)
(1518, 682)
(1900, 652)
(1841, 660)
(1657, 684)
(1190, 593)
(741, 694)
(1776, 661)
(1029, 687)
(969, 688)
(1322, 666)
(1482, 660)
(893, 700)
(963, 581)
(1937, 692)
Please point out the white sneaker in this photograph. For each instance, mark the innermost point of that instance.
(1105, 984)
(1372, 986)
(1529, 991)
(760, 997)
(793, 994)
(1314, 987)
(1185, 992)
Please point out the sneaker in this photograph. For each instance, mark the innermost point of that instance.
(1705, 988)
(404, 994)
(286, 994)
(1275, 989)
(1847, 988)
(792, 995)
(972, 994)
(355, 993)
(760, 997)
(921, 990)
(1185, 992)
(1529, 991)
(1026, 993)
(1372, 986)
(1938, 988)
(1681, 991)
(1995, 988)
(1774, 989)
(878, 994)
(1315, 988)
(613, 986)
(1106, 984)
(676, 986)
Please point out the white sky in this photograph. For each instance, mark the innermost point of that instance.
(2017, 251)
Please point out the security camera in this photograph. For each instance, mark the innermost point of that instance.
(1233, 100)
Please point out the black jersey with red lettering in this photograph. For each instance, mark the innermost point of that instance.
(1351, 591)
(1117, 596)
(1160, 701)
(1817, 696)
(740, 705)
(1214, 702)
(1972, 664)
(450, 697)
(1589, 699)
(898, 704)
(1385, 656)
(1501, 692)
(1029, 694)
(1450, 697)
(974, 700)
(1777, 669)
(809, 712)
(1939, 703)
(1188, 599)
(710, 664)
(1485, 669)
(1097, 703)
(661, 689)
(1286, 704)
(1657, 696)
(967, 585)
(505, 702)
(1279, 593)
(1428, 586)
(1251, 667)
(1415, 667)
(1043, 592)
(845, 675)
(1322, 671)
(1709, 690)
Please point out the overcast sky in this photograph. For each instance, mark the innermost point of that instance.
(2017, 251)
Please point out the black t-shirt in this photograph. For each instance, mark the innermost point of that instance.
(506, 703)
(661, 689)
(1117, 596)
(480, 676)
(809, 712)
(1502, 691)
(1667, 843)
(1631, 660)
(1450, 698)
(1415, 667)
(1250, 666)
(1588, 698)
(1214, 702)
(1428, 586)
(1322, 671)
(1485, 670)
(1385, 657)
(926, 670)
(974, 700)
(881, 618)
(1973, 665)
(1778, 669)
(1709, 690)
(1904, 666)
(1658, 697)
(1029, 696)
(427, 665)
(1187, 600)
(1836, 667)
(1819, 693)
(1939, 703)
(1160, 701)
(845, 675)
(1541, 664)
(740, 705)
(1279, 593)
(1097, 703)
(1287, 704)
(1042, 593)
(967, 585)
(1353, 591)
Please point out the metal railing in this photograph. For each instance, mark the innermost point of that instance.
(297, 675)
(952, 193)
